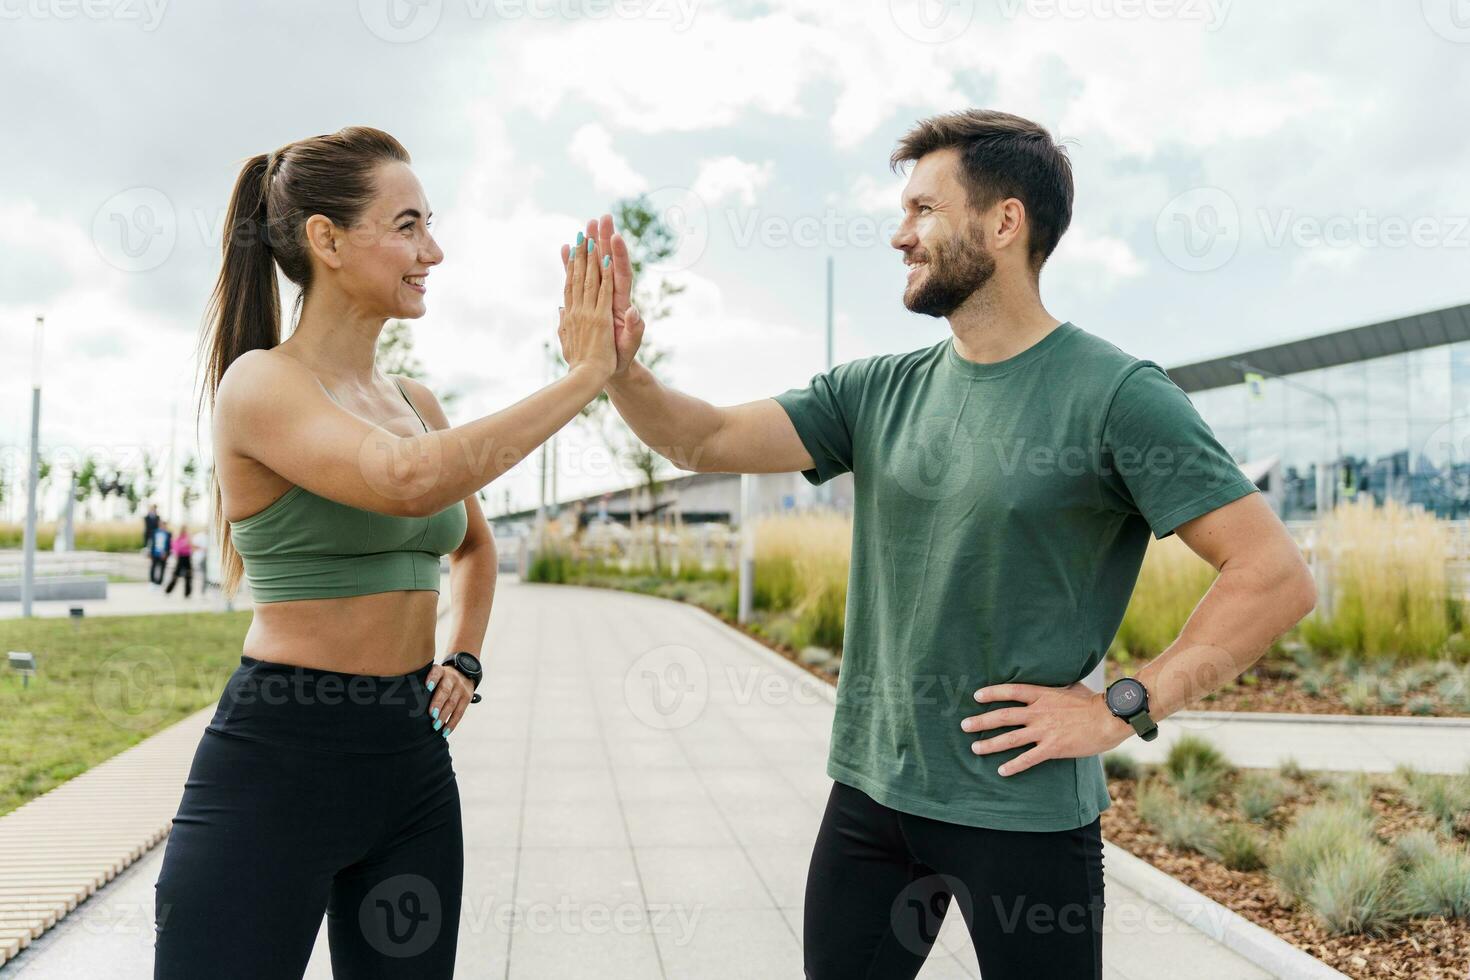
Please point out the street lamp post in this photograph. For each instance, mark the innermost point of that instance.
(28, 573)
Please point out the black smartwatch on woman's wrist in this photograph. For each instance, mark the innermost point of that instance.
(469, 665)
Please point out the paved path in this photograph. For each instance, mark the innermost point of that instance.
(1339, 742)
(601, 842)
(132, 599)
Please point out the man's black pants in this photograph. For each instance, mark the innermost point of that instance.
(881, 881)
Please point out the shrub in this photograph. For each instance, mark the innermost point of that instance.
(1421, 704)
(1445, 798)
(1439, 884)
(1358, 695)
(1120, 765)
(801, 564)
(1354, 889)
(1191, 750)
(1413, 846)
(1170, 584)
(1259, 794)
(1238, 847)
(1179, 823)
(1354, 789)
(1291, 769)
(1319, 831)
(1193, 782)
(550, 564)
(1391, 593)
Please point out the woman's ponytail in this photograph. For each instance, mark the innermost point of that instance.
(244, 312)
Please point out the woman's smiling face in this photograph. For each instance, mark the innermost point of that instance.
(387, 255)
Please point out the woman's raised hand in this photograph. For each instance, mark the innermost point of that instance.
(586, 325)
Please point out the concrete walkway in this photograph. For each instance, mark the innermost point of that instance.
(641, 790)
(1345, 743)
(133, 599)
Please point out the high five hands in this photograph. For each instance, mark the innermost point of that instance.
(627, 323)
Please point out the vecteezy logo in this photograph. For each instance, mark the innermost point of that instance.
(401, 916)
(683, 213)
(932, 21)
(937, 460)
(135, 230)
(667, 687)
(920, 908)
(1450, 19)
(133, 687)
(400, 21)
(1199, 230)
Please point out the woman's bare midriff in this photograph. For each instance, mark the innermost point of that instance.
(384, 633)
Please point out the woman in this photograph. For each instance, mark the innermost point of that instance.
(183, 549)
(324, 780)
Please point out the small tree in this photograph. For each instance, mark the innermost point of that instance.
(189, 492)
(86, 485)
(149, 466)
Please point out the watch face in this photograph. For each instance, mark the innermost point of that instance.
(470, 662)
(1125, 697)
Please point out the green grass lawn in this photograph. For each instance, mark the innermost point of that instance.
(102, 686)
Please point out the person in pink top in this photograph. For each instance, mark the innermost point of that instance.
(183, 561)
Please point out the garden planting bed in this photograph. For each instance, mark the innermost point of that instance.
(1193, 840)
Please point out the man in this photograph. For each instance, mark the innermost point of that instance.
(1006, 484)
(150, 524)
(159, 549)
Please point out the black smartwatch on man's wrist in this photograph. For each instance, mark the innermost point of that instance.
(1127, 698)
(469, 665)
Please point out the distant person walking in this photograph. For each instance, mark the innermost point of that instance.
(162, 542)
(150, 524)
(183, 549)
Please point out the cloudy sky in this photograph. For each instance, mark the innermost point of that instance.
(1247, 173)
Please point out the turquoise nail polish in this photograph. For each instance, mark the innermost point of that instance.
(434, 712)
(431, 685)
(590, 246)
(605, 260)
(446, 733)
(437, 724)
(580, 238)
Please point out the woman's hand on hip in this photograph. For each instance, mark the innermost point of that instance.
(450, 695)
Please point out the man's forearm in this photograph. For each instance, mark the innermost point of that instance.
(674, 425)
(1245, 610)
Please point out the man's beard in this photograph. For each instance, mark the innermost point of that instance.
(954, 272)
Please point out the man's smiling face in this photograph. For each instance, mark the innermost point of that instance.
(941, 238)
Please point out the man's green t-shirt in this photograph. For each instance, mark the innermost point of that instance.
(1001, 514)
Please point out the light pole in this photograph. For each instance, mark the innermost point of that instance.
(28, 573)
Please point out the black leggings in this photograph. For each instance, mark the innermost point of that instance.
(314, 791)
(183, 566)
(881, 881)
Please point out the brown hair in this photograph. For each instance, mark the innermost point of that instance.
(330, 175)
(1002, 156)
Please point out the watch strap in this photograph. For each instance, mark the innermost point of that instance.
(1144, 725)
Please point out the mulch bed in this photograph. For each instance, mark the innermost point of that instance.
(1422, 949)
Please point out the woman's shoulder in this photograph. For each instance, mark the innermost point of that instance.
(423, 400)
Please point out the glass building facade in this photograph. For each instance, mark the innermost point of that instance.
(1397, 425)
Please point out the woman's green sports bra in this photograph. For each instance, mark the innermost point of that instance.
(302, 546)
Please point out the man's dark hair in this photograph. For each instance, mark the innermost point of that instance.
(1002, 156)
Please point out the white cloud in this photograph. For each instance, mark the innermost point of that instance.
(729, 176)
(1103, 261)
(591, 148)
